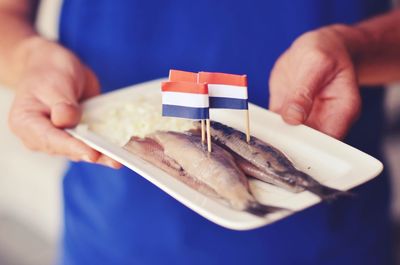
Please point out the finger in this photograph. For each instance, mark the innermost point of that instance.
(92, 85)
(58, 94)
(278, 85)
(334, 117)
(336, 127)
(276, 99)
(55, 88)
(332, 124)
(316, 71)
(294, 112)
(39, 134)
(107, 161)
(65, 115)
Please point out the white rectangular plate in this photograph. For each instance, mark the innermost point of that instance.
(328, 160)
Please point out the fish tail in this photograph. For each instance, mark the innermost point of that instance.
(262, 209)
(324, 192)
(327, 193)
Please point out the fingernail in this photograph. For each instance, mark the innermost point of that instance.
(111, 164)
(295, 113)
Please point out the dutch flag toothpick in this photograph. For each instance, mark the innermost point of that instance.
(185, 100)
(191, 95)
(227, 91)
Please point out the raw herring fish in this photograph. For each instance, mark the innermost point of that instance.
(214, 174)
(263, 161)
(151, 151)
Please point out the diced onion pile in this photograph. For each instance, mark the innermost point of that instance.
(138, 117)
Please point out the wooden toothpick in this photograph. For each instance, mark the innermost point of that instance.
(203, 131)
(247, 126)
(208, 136)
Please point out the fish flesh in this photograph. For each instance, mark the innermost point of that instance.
(186, 158)
(261, 160)
(151, 151)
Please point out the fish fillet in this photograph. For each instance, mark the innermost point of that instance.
(263, 161)
(152, 152)
(215, 173)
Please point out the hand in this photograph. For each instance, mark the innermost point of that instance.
(52, 83)
(314, 83)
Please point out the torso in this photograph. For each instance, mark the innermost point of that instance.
(117, 217)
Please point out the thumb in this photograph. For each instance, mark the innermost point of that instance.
(63, 94)
(297, 106)
(307, 83)
(68, 113)
(59, 94)
(65, 114)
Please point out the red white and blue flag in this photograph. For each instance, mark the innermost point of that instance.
(226, 91)
(182, 76)
(185, 100)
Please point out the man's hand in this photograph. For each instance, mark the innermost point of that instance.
(52, 83)
(314, 82)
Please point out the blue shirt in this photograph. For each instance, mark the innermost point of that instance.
(118, 217)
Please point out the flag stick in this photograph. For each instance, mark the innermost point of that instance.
(208, 136)
(203, 131)
(247, 126)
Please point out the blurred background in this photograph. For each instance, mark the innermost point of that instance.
(30, 183)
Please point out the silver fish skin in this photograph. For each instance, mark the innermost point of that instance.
(251, 170)
(269, 164)
(217, 170)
